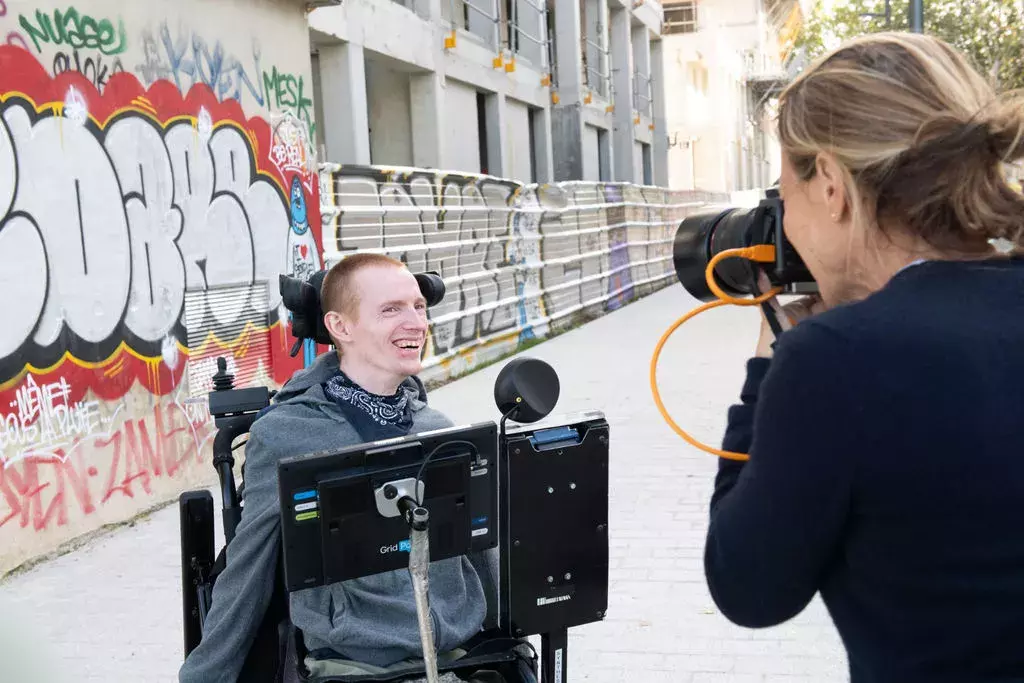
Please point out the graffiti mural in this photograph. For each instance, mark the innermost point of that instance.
(518, 260)
(131, 216)
(86, 463)
(186, 58)
(66, 39)
(156, 207)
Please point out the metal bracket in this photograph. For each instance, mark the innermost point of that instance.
(388, 495)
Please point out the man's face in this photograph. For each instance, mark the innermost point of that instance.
(385, 338)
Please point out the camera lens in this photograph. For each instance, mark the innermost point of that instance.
(699, 238)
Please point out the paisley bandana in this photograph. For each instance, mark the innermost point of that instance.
(372, 415)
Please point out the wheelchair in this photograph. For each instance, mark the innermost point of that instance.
(563, 535)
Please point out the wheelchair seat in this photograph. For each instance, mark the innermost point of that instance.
(278, 653)
(489, 657)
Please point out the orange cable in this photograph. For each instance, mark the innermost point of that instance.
(760, 253)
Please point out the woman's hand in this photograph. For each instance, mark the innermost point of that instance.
(789, 315)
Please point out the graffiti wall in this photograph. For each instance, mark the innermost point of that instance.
(518, 261)
(155, 174)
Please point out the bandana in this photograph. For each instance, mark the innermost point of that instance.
(372, 415)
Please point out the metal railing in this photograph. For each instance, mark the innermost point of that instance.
(501, 27)
(516, 33)
(642, 94)
(517, 259)
(598, 77)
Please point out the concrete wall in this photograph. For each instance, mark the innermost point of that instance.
(461, 127)
(517, 122)
(390, 113)
(518, 260)
(150, 194)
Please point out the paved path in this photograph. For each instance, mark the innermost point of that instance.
(113, 608)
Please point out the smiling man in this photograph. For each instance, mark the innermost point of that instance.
(364, 391)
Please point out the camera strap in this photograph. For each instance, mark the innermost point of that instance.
(771, 314)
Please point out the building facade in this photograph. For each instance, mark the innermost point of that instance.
(729, 58)
(533, 90)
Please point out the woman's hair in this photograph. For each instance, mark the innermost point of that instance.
(921, 137)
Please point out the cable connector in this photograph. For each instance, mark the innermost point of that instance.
(762, 253)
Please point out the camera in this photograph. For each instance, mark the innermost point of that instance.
(700, 237)
(302, 299)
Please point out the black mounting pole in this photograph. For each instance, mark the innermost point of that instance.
(916, 11)
(554, 648)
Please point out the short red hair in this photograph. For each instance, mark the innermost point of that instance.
(337, 293)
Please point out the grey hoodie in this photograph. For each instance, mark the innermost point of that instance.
(370, 620)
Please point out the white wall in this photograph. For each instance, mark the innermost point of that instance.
(462, 139)
(591, 157)
(387, 94)
(713, 116)
(517, 140)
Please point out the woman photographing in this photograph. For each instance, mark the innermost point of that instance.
(886, 428)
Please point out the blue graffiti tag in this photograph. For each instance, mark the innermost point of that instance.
(189, 59)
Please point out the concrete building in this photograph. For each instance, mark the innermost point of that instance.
(730, 59)
(535, 90)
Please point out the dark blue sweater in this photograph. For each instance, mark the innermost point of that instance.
(887, 472)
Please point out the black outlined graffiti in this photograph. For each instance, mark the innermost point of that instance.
(97, 69)
(458, 228)
(103, 229)
(513, 255)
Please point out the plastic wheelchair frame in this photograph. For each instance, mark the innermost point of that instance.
(277, 652)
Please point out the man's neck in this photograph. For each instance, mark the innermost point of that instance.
(368, 377)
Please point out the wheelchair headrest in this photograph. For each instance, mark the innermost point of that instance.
(302, 299)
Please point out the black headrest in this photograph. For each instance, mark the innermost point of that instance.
(302, 298)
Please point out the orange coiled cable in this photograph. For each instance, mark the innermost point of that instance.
(761, 253)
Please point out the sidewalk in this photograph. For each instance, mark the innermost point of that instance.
(111, 611)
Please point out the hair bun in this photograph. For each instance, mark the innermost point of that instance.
(1004, 122)
(952, 137)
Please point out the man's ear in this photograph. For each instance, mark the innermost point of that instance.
(339, 327)
(832, 186)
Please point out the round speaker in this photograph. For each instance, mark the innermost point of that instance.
(528, 385)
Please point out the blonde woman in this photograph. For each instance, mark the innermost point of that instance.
(886, 429)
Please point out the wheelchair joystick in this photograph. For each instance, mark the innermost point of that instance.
(234, 411)
(223, 380)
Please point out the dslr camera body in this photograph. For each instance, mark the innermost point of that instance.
(700, 237)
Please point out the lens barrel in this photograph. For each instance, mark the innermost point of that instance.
(700, 237)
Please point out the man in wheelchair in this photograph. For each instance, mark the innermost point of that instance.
(367, 390)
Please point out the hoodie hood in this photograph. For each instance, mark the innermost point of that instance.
(326, 366)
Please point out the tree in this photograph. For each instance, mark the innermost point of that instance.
(989, 32)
